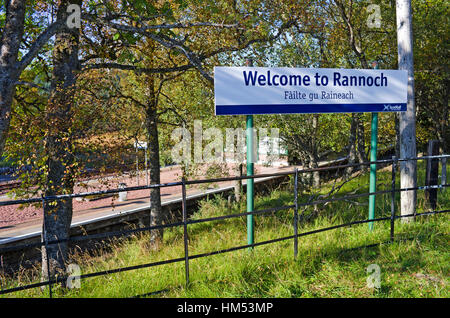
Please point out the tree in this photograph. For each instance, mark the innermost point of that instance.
(408, 169)
(59, 145)
(11, 43)
(432, 77)
(361, 48)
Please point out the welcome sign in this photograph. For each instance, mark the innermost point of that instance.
(263, 90)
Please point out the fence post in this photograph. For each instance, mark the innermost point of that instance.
(432, 172)
(44, 235)
(443, 173)
(296, 213)
(394, 168)
(186, 254)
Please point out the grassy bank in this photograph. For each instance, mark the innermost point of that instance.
(329, 264)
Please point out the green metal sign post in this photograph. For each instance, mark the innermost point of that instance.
(250, 171)
(250, 182)
(373, 167)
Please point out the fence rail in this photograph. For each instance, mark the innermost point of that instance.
(186, 222)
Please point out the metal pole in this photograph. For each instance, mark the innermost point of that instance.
(250, 171)
(432, 174)
(443, 173)
(186, 254)
(394, 168)
(373, 167)
(250, 182)
(296, 213)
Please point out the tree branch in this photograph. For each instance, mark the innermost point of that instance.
(136, 69)
(194, 59)
(24, 83)
(38, 44)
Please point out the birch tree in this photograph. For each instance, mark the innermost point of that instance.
(408, 169)
(11, 66)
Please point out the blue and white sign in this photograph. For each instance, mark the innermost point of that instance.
(281, 90)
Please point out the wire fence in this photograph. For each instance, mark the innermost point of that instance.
(185, 222)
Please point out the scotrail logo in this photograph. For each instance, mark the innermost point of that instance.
(392, 108)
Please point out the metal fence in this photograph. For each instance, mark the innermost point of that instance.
(394, 162)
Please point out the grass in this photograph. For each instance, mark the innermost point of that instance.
(329, 264)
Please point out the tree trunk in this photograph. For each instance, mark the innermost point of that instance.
(314, 157)
(238, 183)
(10, 67)
(356, 151)
(408, 169)
(7, 89)
(59, 147)
(316, 174)
(361, 144)
(9, 49)
(156, 212)
(443, 133)
(352, 146)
